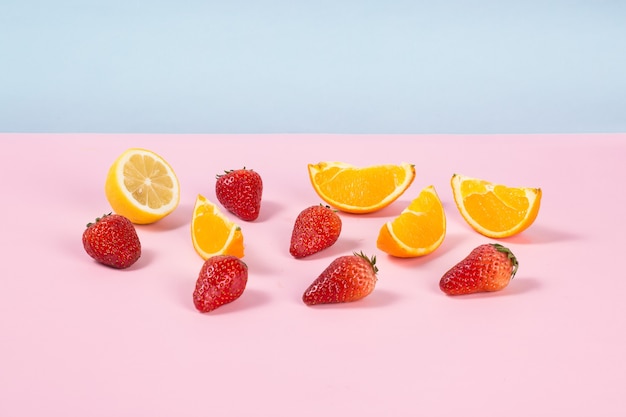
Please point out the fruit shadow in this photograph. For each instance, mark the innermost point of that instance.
(250, 299)
(538, 234)
(144, 261)
(146, 258)
(181, 217)
(269, 210)
(343, 246)
(380, 298)
(391, 211)
(450, 242)
(518, 286)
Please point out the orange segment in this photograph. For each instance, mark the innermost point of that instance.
(418, 230)
(212, 233)
(142, 186)
(360, 189)
(495, 210)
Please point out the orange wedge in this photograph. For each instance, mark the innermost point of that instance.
(495, 210)
(418, 230)
(212, 233)
(360, 189)
(142, 186)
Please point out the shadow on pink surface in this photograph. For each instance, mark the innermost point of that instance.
(450, 243)
(269, 210)
(538, 234)
(181, 217)
(377, 299)
(249, 300)
(519, 285)
(344, 246)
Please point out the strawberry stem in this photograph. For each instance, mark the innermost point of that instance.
(372, 260)
(98, 219)
(328, 207)
(509, 255)
(226, 172)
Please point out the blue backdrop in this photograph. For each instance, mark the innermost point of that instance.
(323, 66)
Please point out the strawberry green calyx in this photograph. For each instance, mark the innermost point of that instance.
(230, 171)
(225, 173)
(98, 219)
(334, 210)
(509, 255)
(371, 261)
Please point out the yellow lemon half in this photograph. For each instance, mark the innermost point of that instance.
(142, 186)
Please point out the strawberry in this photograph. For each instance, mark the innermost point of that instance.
(489, 267)
(222, 280)
(112, 240)
(316, 228)
(347, 278)
(240, 192)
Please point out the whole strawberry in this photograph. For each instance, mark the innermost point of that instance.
(222, 280)
(489, 267)
(347, 278)
(316, 228)
(240, 192)
(112, 240)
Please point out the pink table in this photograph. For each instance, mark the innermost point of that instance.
(79, 339)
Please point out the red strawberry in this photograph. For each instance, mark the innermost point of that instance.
(112, 240)
(316, 228)
(489, 267)
(240, 192)
(222, 280)
(347, 278)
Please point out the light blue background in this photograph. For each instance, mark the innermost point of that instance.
(323, 66)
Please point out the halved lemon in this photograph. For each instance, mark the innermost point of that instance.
(360, 189)
(142, 186)
(418, 230)
(495, 210)
(212, 233)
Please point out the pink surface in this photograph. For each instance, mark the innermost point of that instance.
(80, 339)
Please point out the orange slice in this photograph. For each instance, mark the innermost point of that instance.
(418, 230)
(495, 210)
(212, 233)
(141, 186)
(360, 189)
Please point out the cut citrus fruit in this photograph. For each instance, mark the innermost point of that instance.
(141, 186)
(212, 233)
(495, 210)
(418, 230)
(360, 189)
